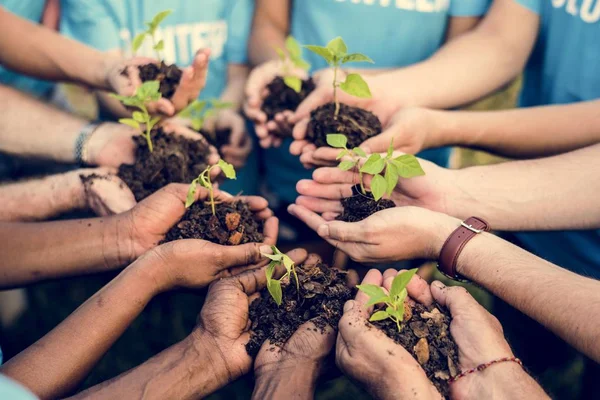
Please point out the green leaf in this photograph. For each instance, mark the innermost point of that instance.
(197, 123)
(338, 47)
(288, 263)
(227, 169)
(153, 122)
(391, 178)
(342, 154)
(191, 195)
(379, 316)
(138, 41)
(347, 165)
(160, 46)
(377, 300)
(401, 297)
(321, 51)
(373, 165)
(147, 89)
(398, 314)
(356, 57)
(218, 104)
(294, 83)
(139, 116)
(300, 63)
(401, 280)
(273, 257)
(372, 290)
(378, 187)
(274, 287)
(270, 271)
(293, 47)
(158, 18)
(356, 86)
(407, 166)
(359, 152)
(280, 54)
(337, 140)
(390, 151)
(130, 122)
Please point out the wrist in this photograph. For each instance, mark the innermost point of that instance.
(438, 229)
(443, 129)
(497, 381)
(68, 192)
(285, 378)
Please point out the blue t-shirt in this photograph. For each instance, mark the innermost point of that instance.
(394, 33)
(31, 10)
(564, 67)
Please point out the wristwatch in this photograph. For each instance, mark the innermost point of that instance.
(81, 143)
(457, 240)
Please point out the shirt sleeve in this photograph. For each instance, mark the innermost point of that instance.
(94, 23)
(238, 26)
(532, 5)
(468, 8)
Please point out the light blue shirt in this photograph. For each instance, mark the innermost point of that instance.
(31, 10)
(394, 33)
(564, 68)
(12, 390)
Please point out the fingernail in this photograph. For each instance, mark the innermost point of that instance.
(438, 285)
(349, 305)
(323, 230)
(265, 250)
(291, 208)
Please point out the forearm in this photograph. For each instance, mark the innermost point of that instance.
(49, 55)
(269, 30)
(236, 83)
(530, 195)
(69, 351)
(34, 252)
(528, 133)
(25, 120)
(41, 199)
(293, 383)
(183, 371)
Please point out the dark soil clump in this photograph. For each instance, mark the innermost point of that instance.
(357, 124)
(323, 292)
(281, 97)
(168, 76)
(233, 224)
(174, 159)
(426, 336)
(360, 206)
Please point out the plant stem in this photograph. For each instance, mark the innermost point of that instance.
(335, 98)
(210, 192)
(149, 141)
(362, 185)
(154, 47)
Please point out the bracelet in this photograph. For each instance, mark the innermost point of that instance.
(81, 149)
(481, 367)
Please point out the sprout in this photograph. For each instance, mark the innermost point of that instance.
(204, 180)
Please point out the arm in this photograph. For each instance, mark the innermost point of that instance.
(459, 25)
(236, 82)
(269, 30)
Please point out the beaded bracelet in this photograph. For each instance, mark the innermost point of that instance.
(481, 367)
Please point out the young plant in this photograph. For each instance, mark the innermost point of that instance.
(336, 55)
(403, 166)
(199, 110)
(274, 285)
(204, 180)
(394, 301)
(293, 57)
(151, 31)
(144, 94)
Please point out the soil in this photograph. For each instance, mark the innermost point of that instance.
(323, 292)
(233, 224)
(174, 159)
(219, 139)
(168, 75)
(426, 336)
(357, 124)
(282, 98)
(360, 206)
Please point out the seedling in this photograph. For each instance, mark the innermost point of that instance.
(394, 301)
(274, 285)
(204, 180)
(404, 166)
(144, 94)
(336, 55)
(151, 31)
(199, 110)
(293, 57)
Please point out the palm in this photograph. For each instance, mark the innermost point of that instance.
(119, 149)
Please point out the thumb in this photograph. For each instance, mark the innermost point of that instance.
(241, 255)
(353, 322)
(379, 143)
(342, 231)
(456, 298)
(318, 97)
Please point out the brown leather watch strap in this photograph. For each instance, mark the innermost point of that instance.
(456, 242)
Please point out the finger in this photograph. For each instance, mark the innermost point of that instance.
(242, 255)
(238, 133)
(255, 203)
(419, 290)
(270, 231)
(330, 216)
(379, 143)
(342, 231)
(326, 155)
(320, 205)
(352, 279)
(388, 278)
(331, 191)
(261, 131)
(455, 298)
(310, 218)
(327, 175)
(317, 98)
(255, 113)
(300, 127)
(313, 259)
(272, 127)
(373, 277)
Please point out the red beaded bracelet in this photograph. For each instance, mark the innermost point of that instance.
(481, 367)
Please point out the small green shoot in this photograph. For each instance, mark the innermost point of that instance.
(159, 46)
(274, 285)
(293, 57)
(204, 180)
(394, 301)
(336, 55)
(199, 110)
(144, 94)
(403, 166)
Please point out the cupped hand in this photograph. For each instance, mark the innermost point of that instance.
(367, 355)
(238, 149)
(223, 324)
(103, 191)
(176, 127)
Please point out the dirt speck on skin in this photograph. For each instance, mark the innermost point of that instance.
(360, 206)
(323, 292)
(426, 336)
(168, 76)
(282, 98)
(175, 159)
(233, 224)
(355, 123)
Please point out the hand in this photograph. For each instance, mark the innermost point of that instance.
(193, 80)
(367, 355)
(176, 127)
(395, 234)
(295, 366)
(149, 221)
(223, 323)
(102, 191)
(240, 145)
(256, 92)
